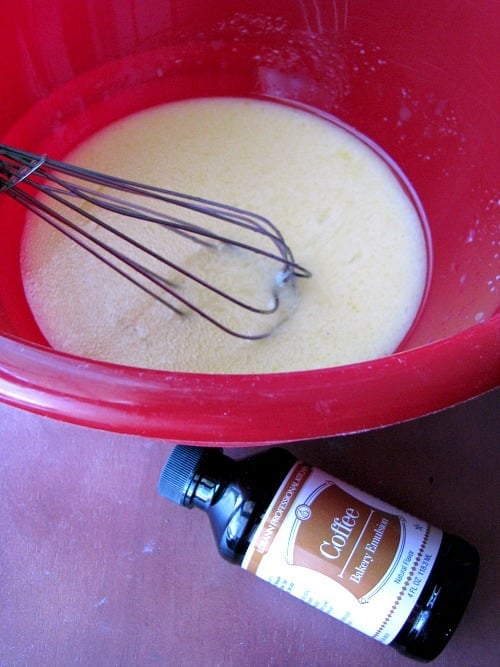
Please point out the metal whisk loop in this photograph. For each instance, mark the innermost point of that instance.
(24, 176)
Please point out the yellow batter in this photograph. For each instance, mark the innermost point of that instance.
(339, 206)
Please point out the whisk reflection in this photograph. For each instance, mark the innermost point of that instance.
(66, 196)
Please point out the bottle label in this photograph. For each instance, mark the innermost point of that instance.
(350, 555)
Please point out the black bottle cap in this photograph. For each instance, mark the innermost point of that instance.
(178, 473)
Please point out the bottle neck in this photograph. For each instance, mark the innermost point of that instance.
(203, 492)
(235, 494)
(209, 481)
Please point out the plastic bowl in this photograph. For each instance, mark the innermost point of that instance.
(416, 77)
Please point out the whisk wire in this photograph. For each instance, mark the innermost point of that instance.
(21, 170)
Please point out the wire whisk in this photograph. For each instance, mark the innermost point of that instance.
(64, 195)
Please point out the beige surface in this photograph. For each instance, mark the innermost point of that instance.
(339, 206)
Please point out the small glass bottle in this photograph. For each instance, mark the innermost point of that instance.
(382, 571)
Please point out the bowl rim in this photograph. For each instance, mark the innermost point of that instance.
(239, 410)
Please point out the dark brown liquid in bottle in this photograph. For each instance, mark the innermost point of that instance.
(236, 494)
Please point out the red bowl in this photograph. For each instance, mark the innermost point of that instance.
(416, 77)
